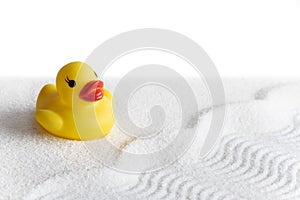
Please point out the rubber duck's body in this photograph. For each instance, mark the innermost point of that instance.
(77, 107)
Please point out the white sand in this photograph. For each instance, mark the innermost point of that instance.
(257, 157)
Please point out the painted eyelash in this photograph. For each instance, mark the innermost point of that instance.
(67, 79)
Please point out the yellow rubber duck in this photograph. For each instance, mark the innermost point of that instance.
(77, 107)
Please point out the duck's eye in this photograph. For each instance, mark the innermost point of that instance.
(71, 83)
(96, 74)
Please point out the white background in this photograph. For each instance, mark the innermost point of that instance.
(243, 38)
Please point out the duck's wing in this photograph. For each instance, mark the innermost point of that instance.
(48, 119)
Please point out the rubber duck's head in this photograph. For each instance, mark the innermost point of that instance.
(78, 80)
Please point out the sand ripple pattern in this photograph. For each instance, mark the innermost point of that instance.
(256, 166)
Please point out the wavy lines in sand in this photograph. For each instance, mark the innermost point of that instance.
(260, 165)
